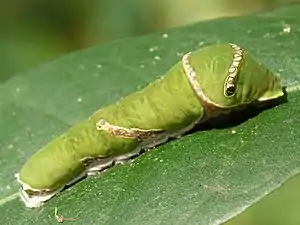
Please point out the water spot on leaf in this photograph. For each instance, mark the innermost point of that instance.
(79, 100)
(266, 35)
(286, 29)
(201, 43)
(154, 48)
(288, 121)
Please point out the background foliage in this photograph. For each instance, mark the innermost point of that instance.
(36, 31)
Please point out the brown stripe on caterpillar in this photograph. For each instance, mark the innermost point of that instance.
(136, 133)
(210, 107)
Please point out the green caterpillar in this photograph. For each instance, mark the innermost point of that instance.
(204, 84)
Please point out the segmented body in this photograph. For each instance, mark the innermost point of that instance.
(169, 107)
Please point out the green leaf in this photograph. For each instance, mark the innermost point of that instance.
(279, 207)
(205, 177)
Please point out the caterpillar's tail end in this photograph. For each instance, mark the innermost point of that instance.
(34, 198)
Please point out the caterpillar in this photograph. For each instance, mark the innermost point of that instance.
(206, 83)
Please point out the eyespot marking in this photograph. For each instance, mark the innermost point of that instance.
(230, 82)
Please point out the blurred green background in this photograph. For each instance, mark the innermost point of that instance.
(36, 31)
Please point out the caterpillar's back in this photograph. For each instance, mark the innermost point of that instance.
(206, 83)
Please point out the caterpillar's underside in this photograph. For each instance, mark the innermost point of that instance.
(227, 96)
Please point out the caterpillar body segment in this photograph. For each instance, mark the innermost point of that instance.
(204, 84)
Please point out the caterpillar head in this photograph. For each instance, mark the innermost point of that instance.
(228, 77)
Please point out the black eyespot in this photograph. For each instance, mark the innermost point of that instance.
(230, 90)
